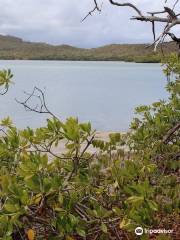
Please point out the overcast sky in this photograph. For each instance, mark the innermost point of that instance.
(59, 22)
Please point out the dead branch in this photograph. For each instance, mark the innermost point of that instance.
(126, 5)
(96, 8)
(174, 38)
(175, 4)
(171, 18)
(41, 106)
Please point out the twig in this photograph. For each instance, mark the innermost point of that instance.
(167, 137)
(42, 108)
(96, 8)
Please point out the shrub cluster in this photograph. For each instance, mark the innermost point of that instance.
(129, 181)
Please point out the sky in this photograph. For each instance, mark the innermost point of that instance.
(59, 22)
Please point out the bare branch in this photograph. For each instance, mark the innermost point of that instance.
(41, 107)
(89, 142)
(153, 28)
(174, 38)
(126, 5)
(171, 13)
(164, 33)
(175, 4)
(96, 8)
(170, 17)
(154, 18)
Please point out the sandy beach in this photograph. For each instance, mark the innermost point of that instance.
(99, 136)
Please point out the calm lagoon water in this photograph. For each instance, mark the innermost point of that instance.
(104, 93)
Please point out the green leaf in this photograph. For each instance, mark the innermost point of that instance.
(81, 232)
(86, 127)
(6, 122)
(125, 223)
(117, 211)
(104, 228)
(135, 199)
(153, 205)
(11, 208)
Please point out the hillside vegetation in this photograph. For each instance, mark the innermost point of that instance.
(16, 48)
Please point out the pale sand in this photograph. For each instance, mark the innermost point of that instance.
(99, 136)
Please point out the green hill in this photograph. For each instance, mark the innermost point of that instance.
(16, 48)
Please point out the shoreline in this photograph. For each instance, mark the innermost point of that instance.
(80, 60)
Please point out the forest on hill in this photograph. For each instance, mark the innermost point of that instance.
(16, 48)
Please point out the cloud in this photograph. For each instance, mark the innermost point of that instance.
(59, 21)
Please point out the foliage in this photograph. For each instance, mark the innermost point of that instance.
(131, 180)
(5, 80)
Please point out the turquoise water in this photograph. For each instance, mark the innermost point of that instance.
(104, 93)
